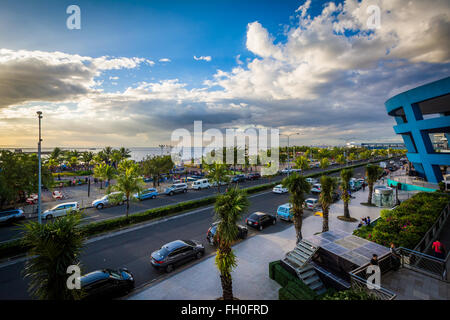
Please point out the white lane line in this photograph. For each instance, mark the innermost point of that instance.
(120, 232)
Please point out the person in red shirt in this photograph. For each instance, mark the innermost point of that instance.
(438, 249)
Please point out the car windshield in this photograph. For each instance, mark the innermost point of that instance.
(115, 275)
(254, 216)
(189, 242)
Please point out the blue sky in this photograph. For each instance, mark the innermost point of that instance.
(314, 67)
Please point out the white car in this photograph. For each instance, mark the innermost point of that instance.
(287, 170)
(311, 180)
(200, 184)
(311, 203)
(316, 188)
(61, 210)
(104, 201)
(279, 189)
(222, 183)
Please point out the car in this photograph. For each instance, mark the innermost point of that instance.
(316, 188)
(176, 253)
(285, 212)
(311, 180)
(201, 184)
(311, 203)
(238, 178)
(106, 283)
(287, 170)
(259, 220)
(61, 210)
(149, 193)
(253, 176)
(176, 188)
(297, 170)
(222, 183)
(242, 233)
(11, 215)
(105, 200)
(279, 189)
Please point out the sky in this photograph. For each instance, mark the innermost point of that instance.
(138, 70)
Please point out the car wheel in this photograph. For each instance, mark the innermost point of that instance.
(274, 221)
(49, 216)
(185, 190)
(99, 206)
(260, 228)
(199, 255)
(244, 235)
(169, 268)
(211, 241)
(171, 193)
(153, 197)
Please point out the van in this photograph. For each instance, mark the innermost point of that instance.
(201, 184)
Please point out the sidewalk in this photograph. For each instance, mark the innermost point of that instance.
(251, 280)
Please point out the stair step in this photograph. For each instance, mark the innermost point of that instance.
(307, 274)
(295, 255)
(316, 285)
(311, 280)
(292, 263)
(305, 255)
(321, 291)
(306, 246)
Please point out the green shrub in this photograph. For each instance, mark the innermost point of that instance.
(271, 268)
(351, 294)
(407, 224)
(284, 294)
(300, 290)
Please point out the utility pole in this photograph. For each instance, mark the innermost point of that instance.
(39, 113)
(289, 158)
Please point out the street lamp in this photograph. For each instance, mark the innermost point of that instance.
(289, 159)
(39, 113)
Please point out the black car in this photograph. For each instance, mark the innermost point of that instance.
(253, 176)
(259, 220)
(176, 253)
(242, 233)
(238, 178)
(106, 283)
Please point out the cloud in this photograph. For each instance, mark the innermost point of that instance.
(205, 58)
(164, 60)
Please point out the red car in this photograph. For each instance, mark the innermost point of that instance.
(253, 176)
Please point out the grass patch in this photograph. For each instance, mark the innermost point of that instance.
(351, 219)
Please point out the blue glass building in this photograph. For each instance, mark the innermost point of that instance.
(423, 119)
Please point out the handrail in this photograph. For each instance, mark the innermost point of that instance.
(422, 262)
(383, 293)
(426, 240)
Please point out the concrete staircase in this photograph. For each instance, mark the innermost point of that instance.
(298, 259)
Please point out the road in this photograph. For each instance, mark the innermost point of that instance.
(132, 248)
(10, 232)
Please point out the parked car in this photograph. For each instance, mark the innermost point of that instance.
(238, 178)
(285, 212)
(106, 283)
(201, 184)
(61, 210)
(311, 203)
(279, 189)
(32, 199)
(311, 180)
(316, 188)
(176, 188)
(11, 215)
(105, 201)
(176, 253)
(287, 170)
(242, 233)
(149, 193)
(253, 176)
(222, 183)
(259, 220)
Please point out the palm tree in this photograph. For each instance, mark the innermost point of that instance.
(87, 157)
(116, 157)
(372, 173)
(128, 182)
(346, 175)
(125, 153)
(229, 209)
(54, 247)
(104, 172)
(217, 173)
(302, 163)
(324, 163)
(73, 161)
(56, 153)
(326, 198)
(298, 187)
(107, 152)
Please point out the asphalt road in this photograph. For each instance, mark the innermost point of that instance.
(132, 248)
(10, 232)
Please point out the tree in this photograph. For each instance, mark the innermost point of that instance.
(324, 163)
(54, 247)
(328, 186)
(73, 161)
(87, 157)
(156, 166)
(346, 175)
(341, 159)
(128, 182)
(56, 154)
(107, 153)
(298, 187)
(104, 172)
(217, 173)
(229, 209)
(125, 153)
(302, 163)
(372, 173)
(116, 157)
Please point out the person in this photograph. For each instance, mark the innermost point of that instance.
(438, 249)
(395, 257)
(364, 186)
(361, 223)
(364, 220)
(368, 220)
(374, 260)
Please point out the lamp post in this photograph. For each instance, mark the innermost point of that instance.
(289, 158)
(39, 113)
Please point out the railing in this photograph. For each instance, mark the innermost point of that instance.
(358, 279)
(434, 231)
(424, 263)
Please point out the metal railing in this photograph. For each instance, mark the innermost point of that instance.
(358, 279)
(434, 231)
(424, 263)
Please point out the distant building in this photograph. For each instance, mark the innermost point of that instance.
(423, 119)
(386, 145)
